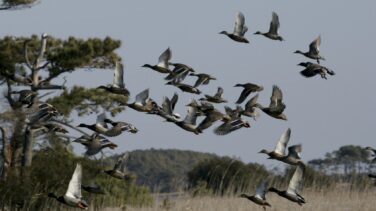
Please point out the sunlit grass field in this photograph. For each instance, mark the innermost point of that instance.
(316, 201)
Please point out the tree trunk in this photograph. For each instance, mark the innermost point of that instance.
(28, 148)
(17, 139)
(6, 153)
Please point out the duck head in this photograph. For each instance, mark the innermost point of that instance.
(304, 64)
(298, 51)
(102, 87)
(223, 32)
(147, 65)
(246, 124)
(83, 125)
(239, 85)
(275, 190)
(82, 205)
(170, 83)
(52, 195)
(193, 103)
(243, 195)
(197, 131)
(264, 151)
(282, 116)
(368, 148)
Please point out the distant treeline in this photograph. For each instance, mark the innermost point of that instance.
(177, 170)
(159, 171)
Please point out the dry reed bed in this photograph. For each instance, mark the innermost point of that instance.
(316, 201)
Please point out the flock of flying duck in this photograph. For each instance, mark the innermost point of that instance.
(231, 119)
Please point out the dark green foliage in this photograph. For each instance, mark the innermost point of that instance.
(78, 53)
(225, 175)
(86, 101)
(62, 55)
(163, 170)
(347, 159)
(10, 4)
(51, 171)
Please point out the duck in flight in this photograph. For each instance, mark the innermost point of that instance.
(117, 86)
(239, 30)
(163, 62)
(314, 50)
(273, 29)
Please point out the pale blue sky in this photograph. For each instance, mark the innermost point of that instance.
(323, 115)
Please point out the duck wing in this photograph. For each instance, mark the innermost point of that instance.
(308, 72)
(142, 97)
(100, 120)
(208, 121)
(179, 72)
(282, 142)
(243, 95)
(120, 161)
(314, 47)
(276, 98)
(240, 28)
(296, 182)
(228, 127)
(174, 100)
(118, 75)
(295, 151)
(250, 105)
(191, 116)
(261, 190)
(164, 58)
(200, 80)
(219, 93)
(74, 187)
(274, 24)
(166, 106)
(371, 154)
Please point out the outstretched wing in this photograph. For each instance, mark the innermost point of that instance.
(191, 115)
(296, 182)
(100, 120)
(282, 143)
(164, 58)
(249, 106)
(219, 92)
(243, 95)
(276, 97)
(174, 100)
(295, 151)
(274, 24)
(261, 190)
(314, 47)
(240, 29)
(74, 188)
(228, 127)
(118, 75)
(142, 96)
(121, 160)
(166, 106)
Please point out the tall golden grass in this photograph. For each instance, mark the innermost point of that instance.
(334, 200)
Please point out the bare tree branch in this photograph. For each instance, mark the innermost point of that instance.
(8, 96)
(41, 51)
(26, 54)
(70, 126)
(48, 86)
(28, 147)
(6, 153)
